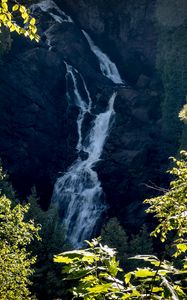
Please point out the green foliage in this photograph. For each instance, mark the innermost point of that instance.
(183, 114)
(113, 235)
(94, 270)
(46, 278)
(171, 208)
(6, 187)
(15, 260)
(47, 282)
(51, 227)
(160, 280)
(10, 13)
(94, 273)
(141, 242)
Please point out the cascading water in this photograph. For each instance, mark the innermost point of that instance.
(84, 106)
(108, 68)
(78, 192)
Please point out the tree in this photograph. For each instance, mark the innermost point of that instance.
(46, 279)
(171, 208)
(6, 187)
(140, 243)
(114, 236)
(15, 260)
(11, 15)
(95, 269)
(183, 113)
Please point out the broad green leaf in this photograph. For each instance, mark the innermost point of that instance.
(182, 247)
(156, 289)
(113, 267)
(15, 7)
(89, 258)
(179, 291)
(100, 288)
(144, 273)
(89, 278)
(136, 293)
(63, 259)
(4, 6)
(32, 21)
(22, 9)
(128, 277)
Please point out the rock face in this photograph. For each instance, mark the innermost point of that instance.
(38, 130)
(29, 106)
(129, 26)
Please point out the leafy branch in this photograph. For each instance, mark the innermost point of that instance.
(10, 13)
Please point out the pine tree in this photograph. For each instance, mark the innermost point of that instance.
(113, 235)
(47, 277)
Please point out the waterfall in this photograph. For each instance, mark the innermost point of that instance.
(108, 68)
(54, 11)
(78, 193)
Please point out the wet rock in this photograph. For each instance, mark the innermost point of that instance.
(83, 155)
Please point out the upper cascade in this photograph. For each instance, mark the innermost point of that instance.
(108, 68)
(54, 11)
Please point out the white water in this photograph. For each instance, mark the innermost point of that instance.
(84, 106)
(54, 11)
(78, 192)
(108, 68)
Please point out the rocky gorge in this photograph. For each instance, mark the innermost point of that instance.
(39, 122)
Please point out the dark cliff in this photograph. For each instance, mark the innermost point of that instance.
(38, 127)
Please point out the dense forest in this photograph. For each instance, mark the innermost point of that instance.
(93, 173)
